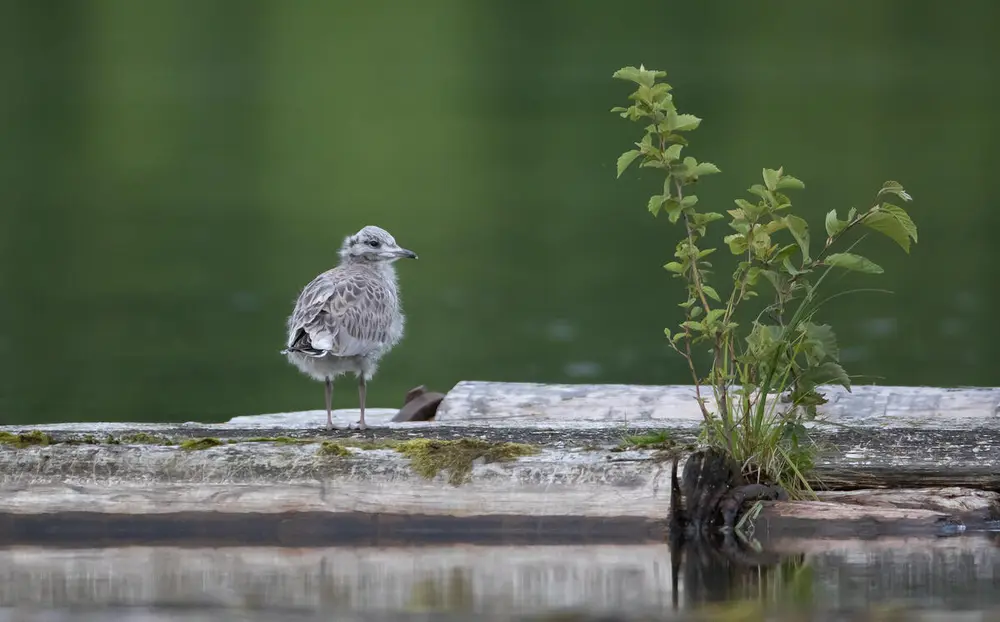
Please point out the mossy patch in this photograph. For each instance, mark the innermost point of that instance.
(25, 439)
(657, 439)
(372, 444)
(195, 444)
(279, 440)
(333, 449)
(145, 438)
(430, 457)
(86, 439)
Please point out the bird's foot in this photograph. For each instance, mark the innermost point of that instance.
(359, 425)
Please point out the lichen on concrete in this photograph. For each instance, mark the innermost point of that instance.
(430, 457)
(25, 439)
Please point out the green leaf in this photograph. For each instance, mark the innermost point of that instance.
(788, 181)
(685, 123)
(673, 209)
(704, 168)
(695, 312)
(714, 316)
(790, 268)
(763, 340)
(673, 266)
(785, 252)
(672, 152)
(737, 243)
(706, 217)
(760, 241)
(705, 253)
(778, 281)
(896, 188)
(711, 293)
(850, 261)
(625, 159)
(750, 210)
(800, 231)
(655, 204)
(893, 222)
(689, 201)
(659, 92)
(696, 326)
(828, 373)
(771, 179)
(760, 191)
(666, 333)
(821, 342)
(833, 224)
(643, 76)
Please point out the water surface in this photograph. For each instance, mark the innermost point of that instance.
(822, 578)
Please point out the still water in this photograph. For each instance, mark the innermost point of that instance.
(889, 579)
(172, 173)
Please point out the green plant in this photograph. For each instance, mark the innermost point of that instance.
(782, 350)
(655, 439)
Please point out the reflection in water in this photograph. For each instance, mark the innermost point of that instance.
(736, 574)
(631, 581)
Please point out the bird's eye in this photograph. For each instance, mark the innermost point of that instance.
(373, 243)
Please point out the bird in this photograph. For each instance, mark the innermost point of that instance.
(347, 318)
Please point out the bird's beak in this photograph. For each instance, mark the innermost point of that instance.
(406, 254)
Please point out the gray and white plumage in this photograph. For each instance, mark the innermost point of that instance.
(346, 319)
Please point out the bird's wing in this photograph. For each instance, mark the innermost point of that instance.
(342, 314)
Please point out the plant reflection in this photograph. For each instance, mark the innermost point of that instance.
(738, 576)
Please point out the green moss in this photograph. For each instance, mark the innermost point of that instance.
(279, 440)
(333, 449)
(194, 444)
(25, 439)
(368, 445)
(86, 439)
(430, 457)
(144, 438)
(659, 439)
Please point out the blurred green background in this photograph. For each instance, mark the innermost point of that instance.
(173, 172)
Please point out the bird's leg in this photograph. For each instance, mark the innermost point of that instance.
(329, 403)
(362, 390)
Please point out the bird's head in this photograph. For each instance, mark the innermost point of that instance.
(372, 245)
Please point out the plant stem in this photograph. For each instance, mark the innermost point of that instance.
(721, 391)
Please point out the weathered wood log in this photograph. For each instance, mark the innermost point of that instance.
(877, 436)
(644, 406)
(569, 461)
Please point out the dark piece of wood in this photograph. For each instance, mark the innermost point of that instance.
(419, 405)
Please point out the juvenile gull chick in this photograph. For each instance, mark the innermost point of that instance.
(347, 318)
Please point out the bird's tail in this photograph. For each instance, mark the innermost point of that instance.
(312, 352)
